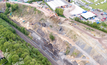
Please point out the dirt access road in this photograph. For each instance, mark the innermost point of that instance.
(92, 42)
(99, 39)
(71, 42)
(33, 44)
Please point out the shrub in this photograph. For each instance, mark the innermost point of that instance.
(14, 7)
(7, 11)
(51, 37)
(8, 5)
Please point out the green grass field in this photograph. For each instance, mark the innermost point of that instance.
(85, 8)
(84, 1)
(101, 6)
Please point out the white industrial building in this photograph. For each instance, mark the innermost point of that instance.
(88, 15)
(56, 3)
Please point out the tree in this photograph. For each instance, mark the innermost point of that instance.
(77, 19)
(32, 63)
(34, 50)
(7, 11)
(6, 44)
(16, 46)
(27, 58)
(103, 24)
(15, 58)
(24, 54)
(8, 5)
(9, 58)
(59, 11)
(94, 24)
(14, 7)
(3, 61)
(27, 62)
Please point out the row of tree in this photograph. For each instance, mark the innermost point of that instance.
(16, 50)
(22, 29)
(94, 25)
(30, 1)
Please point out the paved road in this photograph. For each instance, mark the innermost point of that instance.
(33, 44)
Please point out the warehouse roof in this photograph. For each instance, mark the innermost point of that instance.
(88, 15)
(56, 3)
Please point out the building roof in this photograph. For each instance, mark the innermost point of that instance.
(88, 15)
(56, 3)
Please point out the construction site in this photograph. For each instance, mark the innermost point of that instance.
(74, 44)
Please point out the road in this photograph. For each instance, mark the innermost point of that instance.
(33, 44)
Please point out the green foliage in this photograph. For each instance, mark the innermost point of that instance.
(34, 9)
(14, 7)
(8, 5)
(14, 48)
(9, 58)
(32, 63)
(30, 1)
(2, 61)
(27, 58)
(103, 24)
(67, 50)
(51, 37)
(59, 11)
(15, 58)
(39, 11)
(2, 22)
(7, 11)
(23, 30)
(24, 54)
(51, 26)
